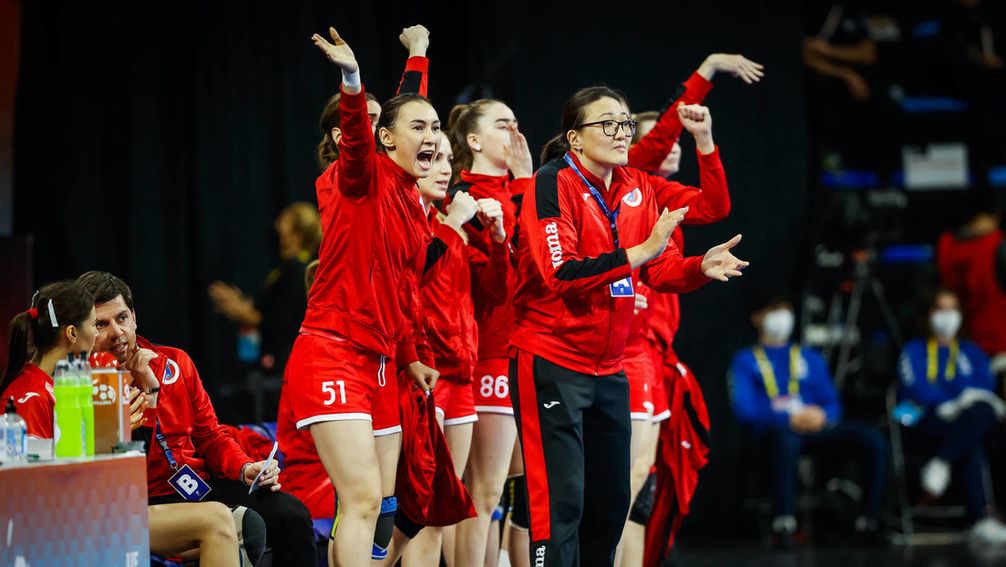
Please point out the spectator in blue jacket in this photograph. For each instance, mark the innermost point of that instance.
(951, 386)
(784, 393)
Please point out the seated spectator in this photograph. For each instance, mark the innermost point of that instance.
(182, 412)
(784, 393)
(949, 381)
(61, 321)
(282, 304)
(972, 264)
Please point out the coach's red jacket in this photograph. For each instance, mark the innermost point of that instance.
(375, 232)
(567, 259)
(453, 269)
(186, 418)
(493, 311)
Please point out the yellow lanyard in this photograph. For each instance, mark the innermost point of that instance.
(932, 362)
(768, 373)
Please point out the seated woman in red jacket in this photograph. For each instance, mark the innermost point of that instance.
(588, 231)
(61, 321)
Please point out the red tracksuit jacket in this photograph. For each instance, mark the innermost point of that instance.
(495, 317)
(968, 266)
(374, 235)
(189, 424)
(567, 259)
(682, 451)
(414, 80)
(32, 391)
(447, 284)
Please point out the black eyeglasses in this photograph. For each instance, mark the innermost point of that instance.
(610, 127)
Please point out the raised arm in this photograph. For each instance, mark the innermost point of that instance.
(357, 148)
(710, 202)
(650, 151)
(415, 39)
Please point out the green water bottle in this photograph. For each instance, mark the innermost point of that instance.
(67, 430)
(84, 388)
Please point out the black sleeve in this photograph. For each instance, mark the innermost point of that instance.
(434, 252)
(410, 82)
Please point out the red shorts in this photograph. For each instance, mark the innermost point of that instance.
(328, 378)
(639, 370)
(661, 404)
(455, 402)
(491, 386)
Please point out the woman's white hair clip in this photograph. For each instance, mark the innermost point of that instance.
(52, 314)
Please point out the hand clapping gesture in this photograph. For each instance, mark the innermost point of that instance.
(720, 264)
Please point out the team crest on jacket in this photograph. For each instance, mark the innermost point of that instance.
(171, 372)
(634, 198)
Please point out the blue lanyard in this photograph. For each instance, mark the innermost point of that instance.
(164, 444)
(612, 216)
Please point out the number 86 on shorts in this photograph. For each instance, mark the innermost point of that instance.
(498, 386)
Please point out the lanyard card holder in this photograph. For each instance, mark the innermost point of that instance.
(185, 481)
(188, 484)
(622, 288)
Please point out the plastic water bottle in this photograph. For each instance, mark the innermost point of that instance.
(67, 430)
(84, 388)
(15, 434)
(3, 446)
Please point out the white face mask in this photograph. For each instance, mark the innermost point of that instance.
(778, 324)
(945, 323)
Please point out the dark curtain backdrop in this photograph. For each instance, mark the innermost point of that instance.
(159, 141)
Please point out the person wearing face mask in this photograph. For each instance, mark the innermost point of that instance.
(783, 393)
(949, 382)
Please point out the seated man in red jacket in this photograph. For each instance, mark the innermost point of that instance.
(182, 431)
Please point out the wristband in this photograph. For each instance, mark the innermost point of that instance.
(153, 390)
(352, 80)
(244, 467)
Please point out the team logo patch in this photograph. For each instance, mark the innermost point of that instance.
(171, 372)
(634, 198)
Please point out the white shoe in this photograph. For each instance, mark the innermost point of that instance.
(935, 477)
(988, 531)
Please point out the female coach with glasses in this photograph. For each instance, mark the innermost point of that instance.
(590, 230)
